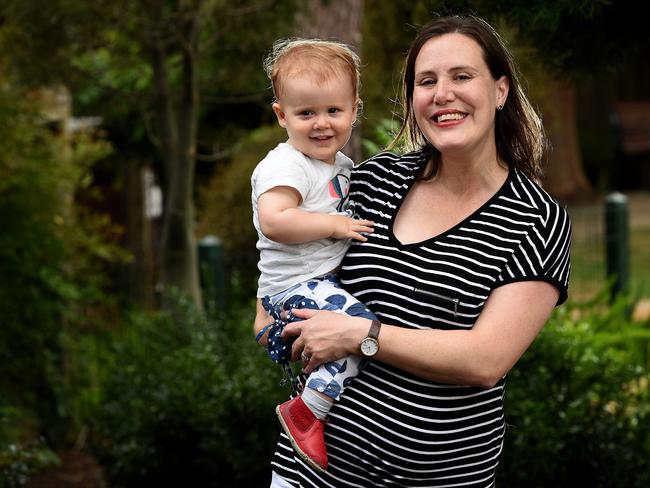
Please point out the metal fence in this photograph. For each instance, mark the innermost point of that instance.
(601, 247)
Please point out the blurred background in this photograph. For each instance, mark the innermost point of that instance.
(128, 133)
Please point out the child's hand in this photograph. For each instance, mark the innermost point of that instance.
(349, 228)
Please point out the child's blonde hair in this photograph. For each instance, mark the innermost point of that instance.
(321, 60)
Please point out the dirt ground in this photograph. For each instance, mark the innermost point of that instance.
(77, 470)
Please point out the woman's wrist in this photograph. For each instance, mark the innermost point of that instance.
(357, 332)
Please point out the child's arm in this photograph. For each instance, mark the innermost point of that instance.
(262, 319)
(282, 221)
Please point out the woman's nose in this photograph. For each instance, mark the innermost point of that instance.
(444, 92)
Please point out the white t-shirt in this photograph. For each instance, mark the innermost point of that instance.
(324, 189)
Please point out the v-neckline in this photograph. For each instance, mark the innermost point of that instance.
(407, 188)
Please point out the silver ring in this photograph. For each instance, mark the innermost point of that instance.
(305, 357)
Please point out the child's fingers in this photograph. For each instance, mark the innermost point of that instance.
(366, 223)
(362, 228)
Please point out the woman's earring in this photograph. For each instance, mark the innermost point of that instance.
(500, 106)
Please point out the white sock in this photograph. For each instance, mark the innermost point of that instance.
(317, 402)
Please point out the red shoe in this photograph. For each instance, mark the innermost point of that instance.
(305, 431)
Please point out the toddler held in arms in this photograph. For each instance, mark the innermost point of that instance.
(300, 198)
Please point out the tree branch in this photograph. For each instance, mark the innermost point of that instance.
(257, 6)
(235, 99)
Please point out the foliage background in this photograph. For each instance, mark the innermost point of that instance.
(186, 397)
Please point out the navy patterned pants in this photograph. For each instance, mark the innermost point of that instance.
(324, 293)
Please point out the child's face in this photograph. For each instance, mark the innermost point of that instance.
(318, 117)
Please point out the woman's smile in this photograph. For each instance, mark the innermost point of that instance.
(446, 118)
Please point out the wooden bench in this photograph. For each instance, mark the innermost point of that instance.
(632, 120)
(631, 123)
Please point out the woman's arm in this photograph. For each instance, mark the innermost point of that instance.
(511, 319)
(282, 221)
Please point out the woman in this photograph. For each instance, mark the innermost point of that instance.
(467, 260)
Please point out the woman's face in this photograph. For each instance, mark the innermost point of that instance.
(455, 97)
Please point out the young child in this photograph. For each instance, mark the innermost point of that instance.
(299, 195)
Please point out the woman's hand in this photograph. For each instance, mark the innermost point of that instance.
(324, 336)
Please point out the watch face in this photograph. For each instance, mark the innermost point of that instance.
(369, 346)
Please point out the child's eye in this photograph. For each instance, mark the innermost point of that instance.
(333, 110)
(305, 113)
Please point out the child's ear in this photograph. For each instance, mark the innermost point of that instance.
(279, 113)
(357, 109)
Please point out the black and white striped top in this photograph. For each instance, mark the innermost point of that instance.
(393, 429)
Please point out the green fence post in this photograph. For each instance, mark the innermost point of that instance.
(211, 268)
(617, 241)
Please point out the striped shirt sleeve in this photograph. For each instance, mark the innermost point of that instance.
(544, 252)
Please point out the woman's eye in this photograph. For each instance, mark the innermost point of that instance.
(426, 82)
(463, 77)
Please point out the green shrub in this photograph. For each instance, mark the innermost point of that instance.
(52, 259)
(18, 463)
(191, 403)
(22, 452)
(188, 405)
(381, 136)
(578, 403)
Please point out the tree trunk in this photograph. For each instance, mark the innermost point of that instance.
(139, 274)
(339, 21)
(178, 254)
(564, 177)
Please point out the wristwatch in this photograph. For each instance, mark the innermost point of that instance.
(370, 345)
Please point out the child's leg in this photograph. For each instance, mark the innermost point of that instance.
(302, 417)
(326, 383)
(330, 379)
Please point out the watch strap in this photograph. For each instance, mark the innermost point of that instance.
(374, 329)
